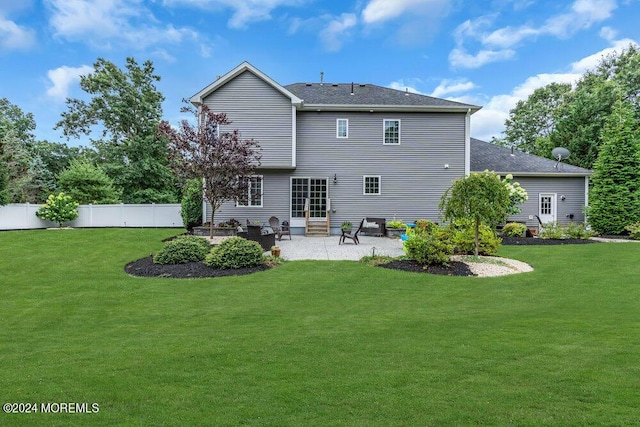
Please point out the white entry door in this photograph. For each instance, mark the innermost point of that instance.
(547, 207)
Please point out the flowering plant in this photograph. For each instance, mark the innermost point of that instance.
(58, 208)
(517, 194)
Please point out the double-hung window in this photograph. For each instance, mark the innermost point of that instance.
(391, 130)
(253, 197)
(371, 184)
(342, 128)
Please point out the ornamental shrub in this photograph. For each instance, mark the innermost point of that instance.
(395, 224)
(634, 230)
(429, 249)
(191, 204)
(182, 250)
(235, 252)
(576, 230)
(58, 208)
(514, 229)
(464, 239)
(552, 230)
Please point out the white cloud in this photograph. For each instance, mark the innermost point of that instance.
(459, 58)
(447, 87)
(384, 10)
(591, 61)
(415, 21)
(101, 22)
(245, 11)
(63, 77)
(497, 45)
(608, 33)
(335, 33)
(404, 86)
(15, 37)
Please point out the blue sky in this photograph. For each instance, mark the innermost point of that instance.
(488, 53)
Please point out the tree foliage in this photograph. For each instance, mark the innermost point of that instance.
(223, 159)
(128, 107)
(480, 197)
(615, 197)
(560, 116)
(88, 184)
(532, 121)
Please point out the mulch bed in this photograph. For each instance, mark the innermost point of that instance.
(455, 268)
(146, 268)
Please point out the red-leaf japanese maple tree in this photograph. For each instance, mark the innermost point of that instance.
(222, 159)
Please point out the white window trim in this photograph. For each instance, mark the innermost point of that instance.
(364, 187)
(238, 205)
(384, 130)
(338, 129)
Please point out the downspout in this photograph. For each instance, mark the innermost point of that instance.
(294, 141)
(467, 143)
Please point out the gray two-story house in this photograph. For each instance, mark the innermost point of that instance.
(341, 152)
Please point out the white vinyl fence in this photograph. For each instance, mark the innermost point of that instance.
(18, 216)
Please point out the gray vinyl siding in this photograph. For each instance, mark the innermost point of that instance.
(571, 187)
(260, 112)
(412, 174)
(275, 202)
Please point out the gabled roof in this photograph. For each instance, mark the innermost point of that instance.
(357, 96)
(487, 156)
(198, 98)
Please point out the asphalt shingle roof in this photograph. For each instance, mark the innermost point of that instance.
(366, 94)
(485, 155)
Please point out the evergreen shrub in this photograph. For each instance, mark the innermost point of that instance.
(235, 252)
(182, 250)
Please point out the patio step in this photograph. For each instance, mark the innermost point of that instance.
(317, 229)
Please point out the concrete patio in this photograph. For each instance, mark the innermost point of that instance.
(327, 248)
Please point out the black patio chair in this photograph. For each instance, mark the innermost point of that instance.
(347, 234)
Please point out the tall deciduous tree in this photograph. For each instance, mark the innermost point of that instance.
(481, 197)
(532, 121)
(223, 159)
(128, 107)
(615, 197)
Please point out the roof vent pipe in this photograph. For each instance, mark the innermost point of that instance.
(321, 78)
(351, 88)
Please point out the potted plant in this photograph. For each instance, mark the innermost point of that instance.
(395, 228)
(346, 226)
(275, 251)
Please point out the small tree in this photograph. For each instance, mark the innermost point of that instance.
(481, 197)
(60, 209)
(223, 159)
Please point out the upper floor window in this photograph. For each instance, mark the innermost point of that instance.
(342, 128)
(391, 132)
(371, 184)
(253, 198)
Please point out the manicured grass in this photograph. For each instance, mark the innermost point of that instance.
(316, 343)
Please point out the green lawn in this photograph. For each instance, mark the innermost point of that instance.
(316, 343)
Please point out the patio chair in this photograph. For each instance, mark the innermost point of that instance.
(280, 230)
(348, 234)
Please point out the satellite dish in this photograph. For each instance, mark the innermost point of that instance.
(560, 153)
